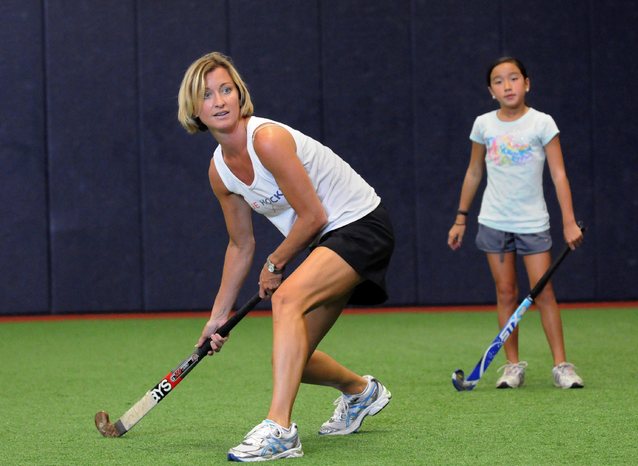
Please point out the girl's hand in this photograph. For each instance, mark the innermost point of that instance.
(455, 236)
(573, 235)
(208, 333)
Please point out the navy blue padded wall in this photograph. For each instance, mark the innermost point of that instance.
(615, 126)
(391, 86)
(367, 110)
(284, 83)
(184, 234)
(558, 64)
(276, 48)
(93, 155)
(449, 92)
(24, 287)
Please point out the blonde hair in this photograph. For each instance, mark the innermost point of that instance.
(191, 91)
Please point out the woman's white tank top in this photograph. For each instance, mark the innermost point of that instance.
(344, 194)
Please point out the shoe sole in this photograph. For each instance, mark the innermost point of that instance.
(380, 403)
(506, 385)
(292, 453)
(574, 385)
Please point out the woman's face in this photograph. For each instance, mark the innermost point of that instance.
(219, 108)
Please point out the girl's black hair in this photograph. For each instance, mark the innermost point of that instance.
(500, 61)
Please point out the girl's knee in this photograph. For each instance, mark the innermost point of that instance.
(546, 299)
(507, 294)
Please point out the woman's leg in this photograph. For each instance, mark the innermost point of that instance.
(503, 268)
(323, 278)
(322, 369)
(536, 265)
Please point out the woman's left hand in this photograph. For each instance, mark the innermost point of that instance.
(268, 282)
(209, 332)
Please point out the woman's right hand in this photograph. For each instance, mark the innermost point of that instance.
(208, 333)
(455, 236)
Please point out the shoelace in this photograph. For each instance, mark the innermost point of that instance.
(343, 405)
(511, 367)
(263, 430)
(342, 408)
(566, 368)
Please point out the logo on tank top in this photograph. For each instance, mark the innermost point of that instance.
(268, 201)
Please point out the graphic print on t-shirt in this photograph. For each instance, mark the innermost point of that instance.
(506, 150)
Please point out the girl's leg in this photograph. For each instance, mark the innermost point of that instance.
(323, 279)
(536, 265)
(503, 268)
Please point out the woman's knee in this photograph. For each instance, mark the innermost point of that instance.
(286, 303)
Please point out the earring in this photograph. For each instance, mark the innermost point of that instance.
(493, 97)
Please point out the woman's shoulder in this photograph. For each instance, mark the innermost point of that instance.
(256, 124)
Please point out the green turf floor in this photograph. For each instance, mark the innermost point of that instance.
(57, 375)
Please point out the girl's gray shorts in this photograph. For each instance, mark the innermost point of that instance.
(497, 241)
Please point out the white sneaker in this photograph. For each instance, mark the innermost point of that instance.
(267, 441)
(565, 376)
(513, 375)
(352, 409)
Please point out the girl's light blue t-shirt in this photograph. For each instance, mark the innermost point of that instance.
(513, 200)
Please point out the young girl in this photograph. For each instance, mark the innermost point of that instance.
(317, 201)
(513, 143)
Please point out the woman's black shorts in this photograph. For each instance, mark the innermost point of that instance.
(366, 244)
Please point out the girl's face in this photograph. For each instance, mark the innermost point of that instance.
(508, 86)
(219, 108)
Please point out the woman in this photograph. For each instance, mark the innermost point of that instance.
(317, 201)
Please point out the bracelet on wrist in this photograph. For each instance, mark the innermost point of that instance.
(460, 224)
(272, 268)
(462, 212)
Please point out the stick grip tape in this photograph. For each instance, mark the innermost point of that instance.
(552, 268)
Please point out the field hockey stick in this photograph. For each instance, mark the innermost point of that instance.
(458, 376)
(168, 383)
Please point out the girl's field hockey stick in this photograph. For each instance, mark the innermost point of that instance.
(458, 376)
(167, 384)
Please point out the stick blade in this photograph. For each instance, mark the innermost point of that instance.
(104, 425)
(459, 382)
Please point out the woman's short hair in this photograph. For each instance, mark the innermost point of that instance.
(191, 91)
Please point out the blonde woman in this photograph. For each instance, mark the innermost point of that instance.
(317, 201)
